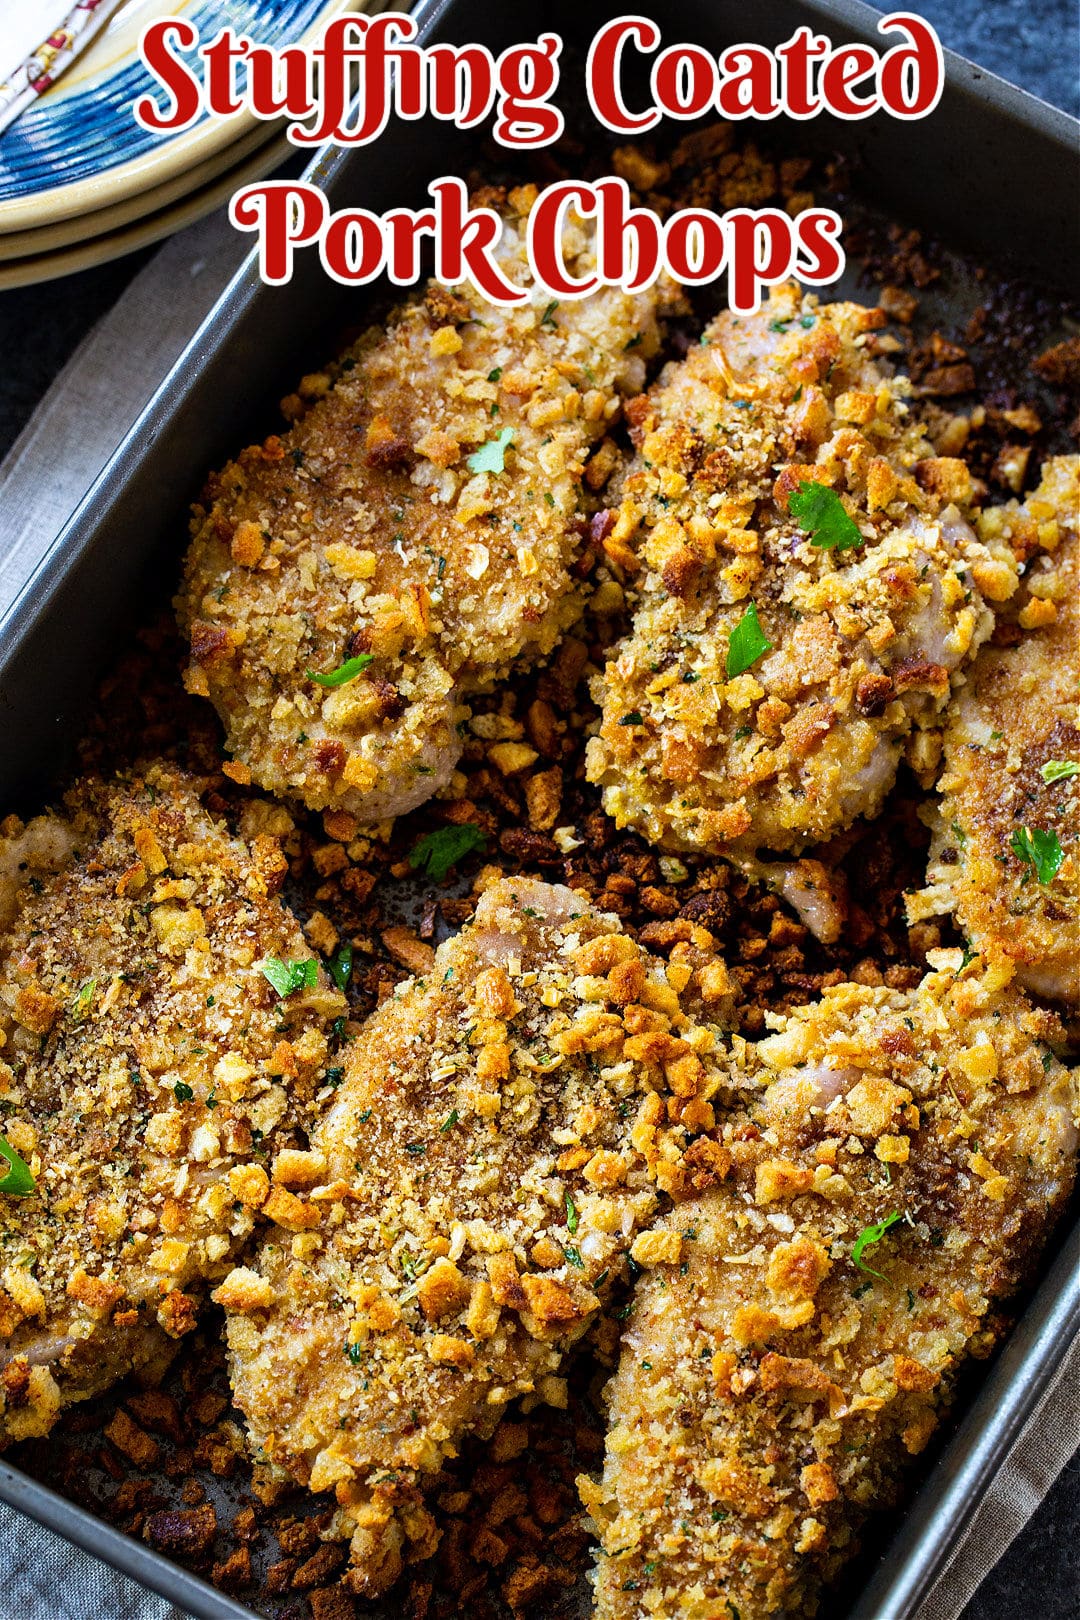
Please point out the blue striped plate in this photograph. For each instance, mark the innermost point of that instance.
(79, 147)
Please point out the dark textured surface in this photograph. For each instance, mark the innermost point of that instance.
(1035, 43)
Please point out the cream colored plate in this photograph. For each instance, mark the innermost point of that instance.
(25, 272)
(69, 233)
(168, 162)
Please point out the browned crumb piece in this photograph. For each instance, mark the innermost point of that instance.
(1012, 760)
(893, 1184)
(764, 694)
(134, 1442)
(187, 1533)
(421, 517)
(501, 1133)
(140, 1076)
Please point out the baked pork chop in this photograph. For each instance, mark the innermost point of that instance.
(411, 536)
(148, 1072)
(796, 1344)
(501, 1135)
(808, 587)
(1005, 856)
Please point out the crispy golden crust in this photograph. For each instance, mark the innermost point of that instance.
(865, 640)
(365, 530)
(501, 1134)
(145, 1064)
(769, 1390)
(1017, 712)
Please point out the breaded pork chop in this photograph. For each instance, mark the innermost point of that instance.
(799, 1342)
(1005, 856)
(501, 1134)
(422, 516)
(146, 1069)
(764, 694)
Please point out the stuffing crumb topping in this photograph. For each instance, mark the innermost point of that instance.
(801, 1336)
(504, 1132)
(421, 517)
(148, 1072)
(808, 586)
(1005, 858)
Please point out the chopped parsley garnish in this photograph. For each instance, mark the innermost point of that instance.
(346, 672)
(748, 642)
(574, 1257)
(17, 1180)
(868, 1237)
(493, 376)
(438, 851)
(571, 1215)
(1041, 850)
(548, 317)
(341, 966)
(354, 1352)
(286, 977)
(1056, 770)
(632, 719)
(84, 1000)
(416, 1148)
(490, 456)
(182, 1091)
(821, 514)
(335, 1076)
(449, 1122)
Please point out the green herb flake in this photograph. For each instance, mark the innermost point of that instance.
(574, 1257)
(748, 643)
(493, 376)
(1056, 770)
(571, 1215)
(334, 1076)
(490, 456)
(632, 719)
(436, 852)
(1041, 850)
(17, 1180)
(346, 672)
(548, 317)
(288, 977)
(355, 1352)
(182, 1091)
(866, 1240)
(821, 514)
(449, 1122)
(84, 1000)
(341, 967)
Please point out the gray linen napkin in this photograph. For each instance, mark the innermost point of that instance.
(76, 427)
(45, 1578)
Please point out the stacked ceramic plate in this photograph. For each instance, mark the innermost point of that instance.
(80, 182)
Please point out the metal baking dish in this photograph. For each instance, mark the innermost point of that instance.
(985, 171)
